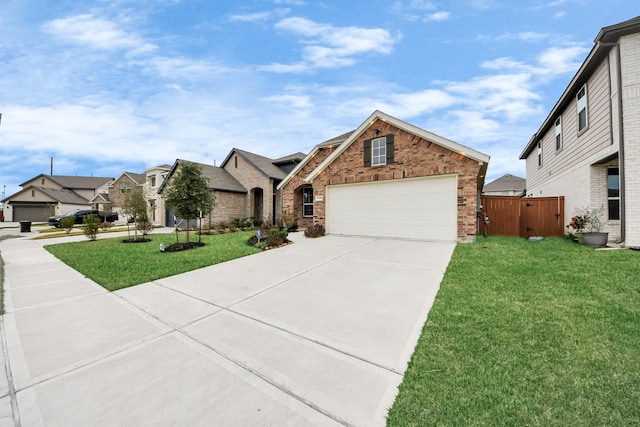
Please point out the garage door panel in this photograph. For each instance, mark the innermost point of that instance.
(424, 208)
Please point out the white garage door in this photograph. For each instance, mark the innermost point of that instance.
(419, 208)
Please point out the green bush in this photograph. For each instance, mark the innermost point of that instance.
(90, 226)
(67, 223)
(316, 230)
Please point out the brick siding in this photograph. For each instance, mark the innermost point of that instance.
(413, 157)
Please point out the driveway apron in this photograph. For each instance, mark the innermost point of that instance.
(318, 332)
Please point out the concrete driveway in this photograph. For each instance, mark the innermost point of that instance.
(315, 333)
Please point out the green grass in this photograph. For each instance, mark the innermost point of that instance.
(116, 265)
(528, 333)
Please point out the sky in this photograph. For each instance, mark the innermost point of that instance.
(107, 86)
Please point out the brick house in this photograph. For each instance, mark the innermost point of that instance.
(245, 185)
(260, 177)
(46, 195)
(588, 147)
(388, 178)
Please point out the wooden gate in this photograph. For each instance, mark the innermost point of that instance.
(524, 217)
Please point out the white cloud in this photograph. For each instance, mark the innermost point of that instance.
(437, 17)
(96, 32)
(183, 68)
(328, 46)
(258, 16)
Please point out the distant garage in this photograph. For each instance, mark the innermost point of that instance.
(418, 208)
(35, 212)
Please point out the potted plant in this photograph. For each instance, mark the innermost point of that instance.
(589, 223)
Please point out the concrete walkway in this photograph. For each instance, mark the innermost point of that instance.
(315, 333)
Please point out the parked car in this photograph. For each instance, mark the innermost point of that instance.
(80, 214)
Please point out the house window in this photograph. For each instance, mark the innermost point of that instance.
(581, 98)
(42, 181)
(539, 154)
(124, 187)
(558, 134)
(235, 160)
(379, 151)
(33, 193)
(152, 181)
(613, 193)
(307, 201)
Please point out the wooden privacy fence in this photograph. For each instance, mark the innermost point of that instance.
(523, 217)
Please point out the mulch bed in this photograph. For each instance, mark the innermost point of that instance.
(176, 247)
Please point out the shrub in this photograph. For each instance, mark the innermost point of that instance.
(90, 226)
(106, 225)
(145, 227)
(289, 220)
(316, 230)
(67, 223)
(269, 238)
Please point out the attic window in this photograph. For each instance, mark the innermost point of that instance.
(378, 151)
(42, 181)
(124, 187)
(152, 181)
(235, 160)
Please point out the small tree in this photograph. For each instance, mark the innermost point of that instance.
(67, 223)
(90, 226)
(134, 206)
(188, 193)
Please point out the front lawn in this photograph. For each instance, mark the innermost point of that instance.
(528, 333)
(116, 265)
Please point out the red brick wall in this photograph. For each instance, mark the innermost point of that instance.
(413, 157)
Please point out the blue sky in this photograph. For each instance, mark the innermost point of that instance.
(109, 86)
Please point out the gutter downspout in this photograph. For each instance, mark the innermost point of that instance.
(621, 148)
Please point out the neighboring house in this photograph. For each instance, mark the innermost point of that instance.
(388, 178)
(245, 185)
(231, 196)
(118, 190)
(260, 176)
(155, 176)
(588, 147)
(47, 195)
(506, 185)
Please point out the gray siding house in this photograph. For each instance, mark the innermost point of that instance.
(588, 148)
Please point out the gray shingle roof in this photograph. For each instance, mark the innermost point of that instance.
(507, 183)
(219, 178)
(295, 157)
(80, 182)
(62, 195)
(264, 164)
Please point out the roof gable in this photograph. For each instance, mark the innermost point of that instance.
(379, 115)
(219, 179)
(506, 183)
(74, 182)
(333, 142)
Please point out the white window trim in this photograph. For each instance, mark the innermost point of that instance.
(558, 133)
(381, 158)
(582, 104)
